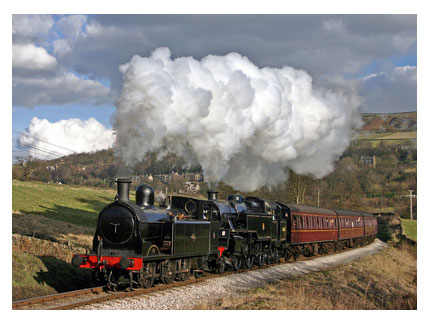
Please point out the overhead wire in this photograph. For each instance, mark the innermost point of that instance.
(37, 148)
(37, 151)
(52, 144)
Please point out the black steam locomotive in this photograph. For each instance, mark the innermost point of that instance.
(139, 243)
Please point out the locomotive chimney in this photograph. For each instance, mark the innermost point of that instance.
(123, 189)
(212, 194)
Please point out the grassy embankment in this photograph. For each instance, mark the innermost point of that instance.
(394, 137)
(387, 280)
(51, 222)
(409, 228)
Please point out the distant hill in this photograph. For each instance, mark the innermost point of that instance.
(396, 122)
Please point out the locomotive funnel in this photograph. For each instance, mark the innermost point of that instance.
(123, 189)
(212, 194)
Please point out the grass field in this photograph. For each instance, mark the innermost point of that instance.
(409, 228)
(61, 213)
(389, 136)
(71, 204)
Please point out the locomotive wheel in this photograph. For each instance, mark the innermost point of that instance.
(198, 274)
(267, 258)
(168, 275)
(260, 260)
(220, 267)
(184, 276)
(236, 263)
(146, 280)
(147, 276)
(276, 257)
(249, 261)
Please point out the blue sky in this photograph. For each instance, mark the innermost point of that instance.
(67, 66)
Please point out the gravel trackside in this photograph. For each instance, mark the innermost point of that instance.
(188, 296)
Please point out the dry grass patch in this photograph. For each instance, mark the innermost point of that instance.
(387, 280)
(54, 230)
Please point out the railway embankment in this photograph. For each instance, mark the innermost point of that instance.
(383, 281)
(219, 293)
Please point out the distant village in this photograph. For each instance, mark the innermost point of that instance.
(191, 181)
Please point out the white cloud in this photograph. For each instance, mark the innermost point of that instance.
(31, 27)
(31, 57)
(40, 78)
(60, 89)
(46, 140)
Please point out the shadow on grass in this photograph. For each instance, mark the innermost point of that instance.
(63, 276)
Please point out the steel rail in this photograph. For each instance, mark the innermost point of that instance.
(44, 299)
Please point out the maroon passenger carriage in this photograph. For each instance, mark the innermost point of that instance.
(312, 230)
(351, 227)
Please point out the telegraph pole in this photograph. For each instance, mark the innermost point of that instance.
(410, 203)
(318, 197)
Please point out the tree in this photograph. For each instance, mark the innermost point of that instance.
(297, 183)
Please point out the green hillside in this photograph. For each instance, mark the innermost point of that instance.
(72, 204)
(409, 228)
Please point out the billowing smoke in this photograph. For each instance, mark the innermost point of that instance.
(243, 124)
(46, 140)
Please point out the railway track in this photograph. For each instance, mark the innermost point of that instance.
(83, 297)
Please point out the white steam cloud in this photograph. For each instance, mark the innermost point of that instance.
(46, 140)
(243, 124)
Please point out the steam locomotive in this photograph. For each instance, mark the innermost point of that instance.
(139, 243)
